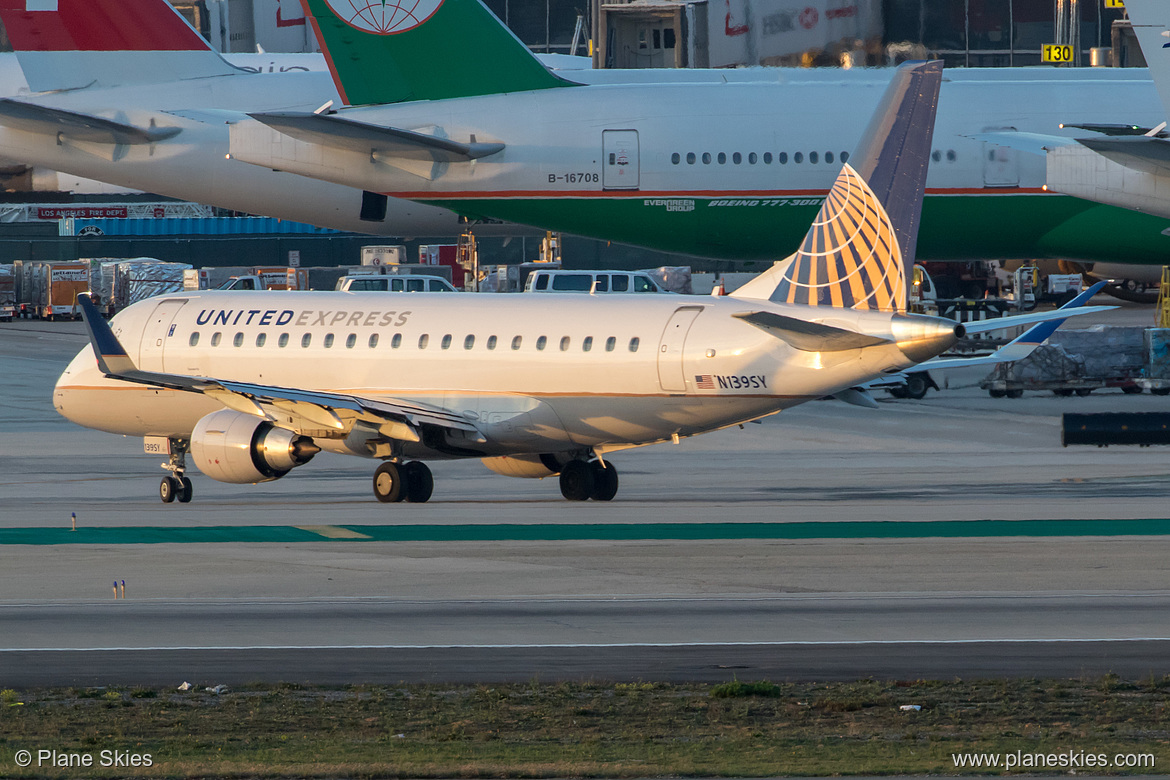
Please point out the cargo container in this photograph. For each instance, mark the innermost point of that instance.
(49, 290)
(7, 292)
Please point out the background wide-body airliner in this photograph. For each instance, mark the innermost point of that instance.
(126, 92)
(252, 385)
(726, 164)
(729, 169)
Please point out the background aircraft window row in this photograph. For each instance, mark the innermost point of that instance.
(423, 341)
(752, 158)
(937, 155)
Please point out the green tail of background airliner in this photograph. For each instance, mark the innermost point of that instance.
(388, 51)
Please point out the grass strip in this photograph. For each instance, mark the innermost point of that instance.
(589, 729)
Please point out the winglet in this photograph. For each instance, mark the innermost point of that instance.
(111, 357)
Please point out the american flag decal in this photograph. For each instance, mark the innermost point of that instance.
(704, 382)
(850, 258)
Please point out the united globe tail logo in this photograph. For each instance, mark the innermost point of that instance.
(384, 17)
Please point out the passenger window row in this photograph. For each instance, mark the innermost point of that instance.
(751, 158)
(937, 155)
(565, 344)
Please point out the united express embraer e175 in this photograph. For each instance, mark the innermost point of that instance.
(252, 385)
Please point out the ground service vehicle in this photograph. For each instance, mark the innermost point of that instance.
(560, 280)
(403, 283)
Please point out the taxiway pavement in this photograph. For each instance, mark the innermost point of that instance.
(834, 606)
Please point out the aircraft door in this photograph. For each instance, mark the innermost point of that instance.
(619, 166)
(159, 331)
(671, 374)
(1001, 164)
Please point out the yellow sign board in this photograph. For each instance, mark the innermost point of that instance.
(1115, 3)
(1056, 52)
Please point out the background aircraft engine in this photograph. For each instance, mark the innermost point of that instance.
(525, 466)
(234, 447)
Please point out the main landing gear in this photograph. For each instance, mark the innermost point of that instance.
(582, 480)
(410, 481)
(175, 485)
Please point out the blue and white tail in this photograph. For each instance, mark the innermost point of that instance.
(859, 250)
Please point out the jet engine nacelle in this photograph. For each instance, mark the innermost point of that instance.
(234, 447)
(524, 466)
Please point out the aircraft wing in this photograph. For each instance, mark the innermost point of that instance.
(1146, 153)
(335, 131)
(75, 126)
(1141, 153)
(300, 410)
(1022, 346)
(1004, 323)
(1034, 143)
(1118, 130)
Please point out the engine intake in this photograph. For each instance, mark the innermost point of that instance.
(230, 446)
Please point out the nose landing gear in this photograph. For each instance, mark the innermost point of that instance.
(175, 485)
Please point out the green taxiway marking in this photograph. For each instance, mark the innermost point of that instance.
(285, 534)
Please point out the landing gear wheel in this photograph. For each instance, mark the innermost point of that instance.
(916, 386)
(388, 483)
(1063, 392)
(168, 489)
(1160, 390)
(1084, 391)
(997, 393)
(1015, 393)
(418, 482)
(186, 490)
(1131, 389)
(605, 482)
(577, 480)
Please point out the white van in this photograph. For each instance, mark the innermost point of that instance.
(591, 281)
(404, 283)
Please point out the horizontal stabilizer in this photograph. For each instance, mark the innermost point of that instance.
(35, 118)
(809, 336)
(337, 132)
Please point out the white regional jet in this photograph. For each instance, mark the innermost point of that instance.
(252, 385)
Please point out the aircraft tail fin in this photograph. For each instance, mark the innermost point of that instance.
(73, 44)
(1151, 20)
(422, 50)
(859, 250)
